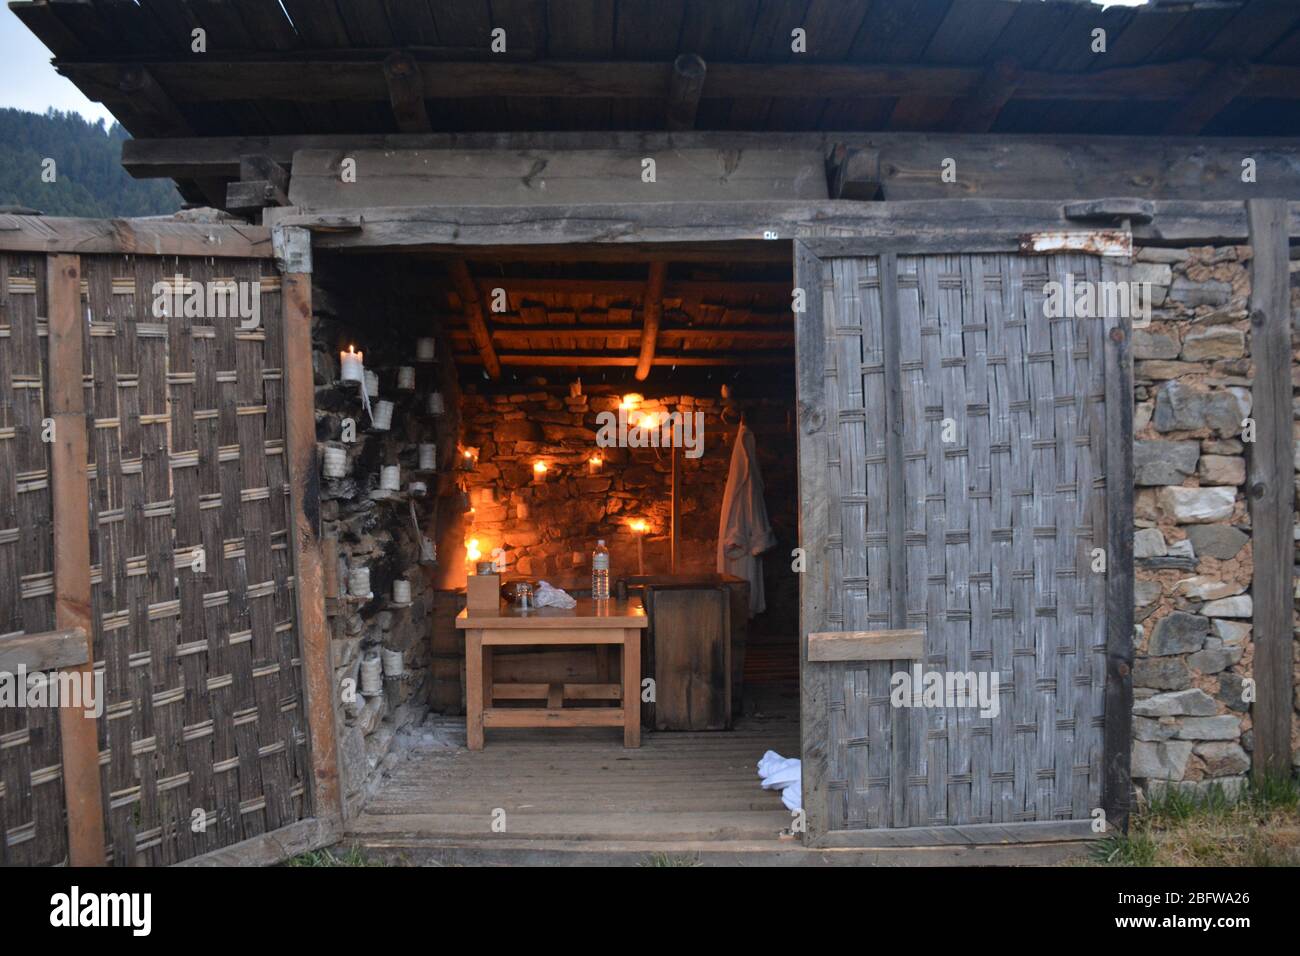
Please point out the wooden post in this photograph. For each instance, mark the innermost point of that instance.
(675, 512)
(473, 307)
(654, 310)
(1117, 720)
(406, 93)
(304, 521)
(684, 90)
(80, 733)
(1270, 483)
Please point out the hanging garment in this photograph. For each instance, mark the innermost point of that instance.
(743, 529)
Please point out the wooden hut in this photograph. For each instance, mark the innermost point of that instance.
(1001, 289)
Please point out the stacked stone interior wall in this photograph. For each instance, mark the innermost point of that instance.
(1192, 547)
(366, 307)
(548, 528)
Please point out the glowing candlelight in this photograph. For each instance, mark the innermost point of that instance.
(539, 471)
(639, 527)
(631, 400)
(352, 365)
(594, 464)
(472, 552)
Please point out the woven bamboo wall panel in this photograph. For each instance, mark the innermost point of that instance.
(32, 830)
(1003, 498)
(193, 587)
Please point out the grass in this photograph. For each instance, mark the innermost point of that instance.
(1261, 827)
(667, 859)
(331, 856)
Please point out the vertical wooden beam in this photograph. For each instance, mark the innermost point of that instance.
(684, 89)
(1219, 88)
(473, 307)
(406, 93)
(82, 787)
(1270, 484)
(654, 310)
(1117, 721)
(814, 501)
(978, 112)
(304, 523)
(675, 512)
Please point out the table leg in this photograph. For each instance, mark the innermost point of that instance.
(474, 689)
(632, 687)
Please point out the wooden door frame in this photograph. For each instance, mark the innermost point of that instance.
(810, 365)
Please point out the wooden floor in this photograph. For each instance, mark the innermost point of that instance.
(578, 797)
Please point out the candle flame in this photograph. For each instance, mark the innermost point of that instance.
(639, 525)
(472, 551)
(539, 467)
(631, 400)
(595, 460)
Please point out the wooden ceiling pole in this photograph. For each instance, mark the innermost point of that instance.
(684, 90)
(473, 306)
(1220, 86)
(978, 112)
(654, 310)
(406, 93)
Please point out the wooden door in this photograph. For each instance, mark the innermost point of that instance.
(954, 481)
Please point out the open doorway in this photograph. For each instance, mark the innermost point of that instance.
(528, 352)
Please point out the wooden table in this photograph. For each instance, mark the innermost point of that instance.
(591, 622)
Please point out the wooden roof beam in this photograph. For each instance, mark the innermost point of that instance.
(654, 310)
(685, 87)
(473, 307)
(406, 93)
(978, 112)
(1219, 88)
(554, 360)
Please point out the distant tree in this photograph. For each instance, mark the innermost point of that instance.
(88, 177)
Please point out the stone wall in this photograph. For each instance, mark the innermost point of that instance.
(1192, 542)
(548, 529)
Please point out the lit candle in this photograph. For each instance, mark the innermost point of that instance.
(639, 527)
(351, 362)
(631, 401)
(467, 459)
(539, 472)
(472, 552)
(594, 464)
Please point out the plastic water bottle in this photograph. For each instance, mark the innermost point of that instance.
(600, 572)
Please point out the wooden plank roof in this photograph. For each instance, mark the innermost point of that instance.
(318, 66)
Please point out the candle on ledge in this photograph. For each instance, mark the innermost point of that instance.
(639, 527)
(336, 462)
(401, 591)
(390, 478)
(352, 367)
(468, 459)
(428, 456)
(382, 419)
(359, 582)
(594, 464)
(539, 472)
(472, 553)
(435, 404)
(406, 378)
(425, 349)
(372, 383)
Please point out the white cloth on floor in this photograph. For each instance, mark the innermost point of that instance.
(743, 529)
(784, 774)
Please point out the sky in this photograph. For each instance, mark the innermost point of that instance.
(28, 82)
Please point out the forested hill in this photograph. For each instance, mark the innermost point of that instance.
(88, 177)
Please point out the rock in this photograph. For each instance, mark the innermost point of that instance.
(1142, 417)
(1216, 540)
(1239, 606)
(1212, 660)
(1156, 273)
(1193, 702)
(1161, 370)
(1231, 788)
(1230, 692)
(1232, 633)
(1209, 292)
(1223, 759)
(1178, 633)
(1149, 543)
(1154, 345)
(1146, 592)
(1164, 462)
(1219, 727)
(1147, 728)
(1197, 505)
(1181, 407)
(1222, 470)
(1181, 549)
(1161, 673)
(1215, 342)
(1157, 254)
(1226, 446)
(1165, 760)
(1205, 588)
